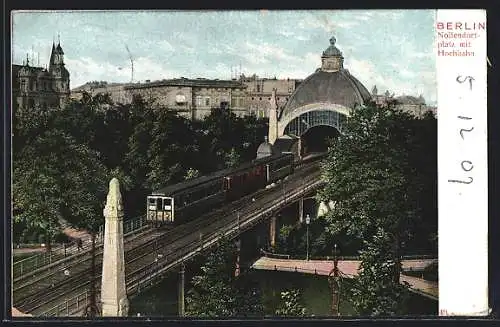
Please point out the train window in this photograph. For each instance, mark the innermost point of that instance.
(152, 203)
(159, 205)
(227, 183)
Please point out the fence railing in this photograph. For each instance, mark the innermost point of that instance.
(150, 274)
(340, 258)
(62, 251)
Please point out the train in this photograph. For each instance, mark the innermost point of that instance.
(176, 203)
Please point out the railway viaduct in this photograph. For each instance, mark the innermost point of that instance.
(61, 288)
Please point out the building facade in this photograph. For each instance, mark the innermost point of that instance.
(190, 98)
(408, 103)
(39, 87)
(259, 92)
(194, 98)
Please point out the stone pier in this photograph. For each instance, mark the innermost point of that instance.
(113, 289)
(301, 210)
(237, 268)
(181, 290)
(272, 231)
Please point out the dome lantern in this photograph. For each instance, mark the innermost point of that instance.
(332, 59)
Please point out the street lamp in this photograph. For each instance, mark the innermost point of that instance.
(308, 220)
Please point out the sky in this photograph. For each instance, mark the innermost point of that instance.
(392, 49)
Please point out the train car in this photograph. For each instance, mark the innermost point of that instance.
(179, 202)
(279, 168)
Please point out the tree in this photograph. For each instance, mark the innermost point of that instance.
(290, 304)
(171, 149)
(217, 292)
(191, 174)
(382, 297)
(379, 190)
(232, 159)
(283, 238)
(225, 132)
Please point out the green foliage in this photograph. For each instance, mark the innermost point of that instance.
(54, 177)
(70, 154)
(233, 159)
(283, 238)
(383, 190)
(217, 292)
(290, 305)
(192, 173)
(375, 290)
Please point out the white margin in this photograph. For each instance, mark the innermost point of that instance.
(463, 208)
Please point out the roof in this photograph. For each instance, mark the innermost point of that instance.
(176, 188)
(59, 49)
(199, 82)
(284, 143)
(408, 99)
(338, 87)
(26, 70)
(265, 149)
(96, 84)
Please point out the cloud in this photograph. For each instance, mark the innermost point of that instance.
(393, 49)
(87, 69)
(403, 82)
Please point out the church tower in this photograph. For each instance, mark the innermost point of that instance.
(60, 74)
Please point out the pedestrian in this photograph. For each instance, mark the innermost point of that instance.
(79, 244)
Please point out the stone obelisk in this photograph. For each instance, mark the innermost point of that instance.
(273, 118)
(113, 289)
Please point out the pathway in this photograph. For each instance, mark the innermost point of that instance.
(350, 268)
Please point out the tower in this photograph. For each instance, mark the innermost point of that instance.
(60, 75)
(273, 118)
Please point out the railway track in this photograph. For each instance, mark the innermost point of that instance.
(143, 254)
(80, 258)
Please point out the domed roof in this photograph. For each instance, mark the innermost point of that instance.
(338, 87)
(265, 149)
(329, 84)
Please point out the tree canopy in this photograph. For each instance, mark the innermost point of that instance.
(217, 292)
(381, 175)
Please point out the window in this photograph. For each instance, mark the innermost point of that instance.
(258, 88)
(207, 101)
(199, 101)
(260, 99)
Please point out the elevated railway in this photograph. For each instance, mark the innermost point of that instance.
(148, 257)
